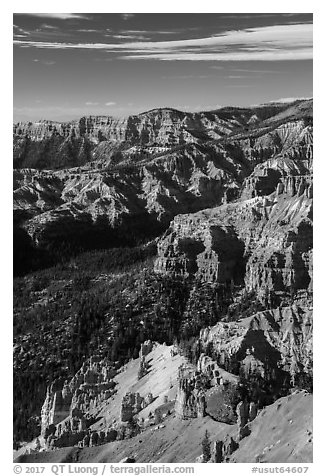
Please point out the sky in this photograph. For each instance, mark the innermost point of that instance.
(68, 65)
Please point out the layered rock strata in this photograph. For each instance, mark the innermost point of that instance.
(190, 400)
(271, 235)
(264, 343)
(66, 412)
(123, 185)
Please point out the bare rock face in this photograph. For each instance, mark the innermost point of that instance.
(270, 237)
(263, 239)
(217, 452)
(46, 142)
(252, 411)
(145, 170)
(265, 343)
(190, 400)
(131, 404)
(214, 373)
(56, 407)
(152, 191)
(211, 253)
(97, 438)
(58, 144)
(65, 412)
(242, 420)
(222, 450)
(239, 204)
(288, 166)
(199, 394)
(145, 348)
(143, 366)
(229, 446)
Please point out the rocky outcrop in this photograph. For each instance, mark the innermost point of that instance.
(65, 413)
(190, 400)
(132, 404)
(242, 420)
(145, 348)
(222, 450)
(239, 203)
(143, 368)
(210, 253)
(263, 239)
(154, 191)
(269, 240)
(95, 438)
(215, 374)
(229, 446)
(209, 390)
(47, 143)
(288, 168)
(149, 172)
(217, 452)
(264, 343)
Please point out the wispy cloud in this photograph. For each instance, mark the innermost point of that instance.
(246, 70)
(278, 42)
(234, 76)
(85, 30)
(151, 32)
(302, 54)
(21, 33)
(45, 62)
(90, 103)
(128, 37)
(49, 27)
(110, 103)
(258, 15)
(59, 16)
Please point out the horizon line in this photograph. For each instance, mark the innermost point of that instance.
(275, 101)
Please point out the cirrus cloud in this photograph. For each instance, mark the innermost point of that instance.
(58, 16)
(271, 43)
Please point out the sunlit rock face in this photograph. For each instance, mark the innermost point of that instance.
(151, 167)
(279, 338)
(227, 195)
(271, 235)
(48, 144)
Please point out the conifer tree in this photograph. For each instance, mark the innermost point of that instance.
(206, 445)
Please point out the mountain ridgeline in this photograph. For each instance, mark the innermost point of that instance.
(55, 145)
(103, 176)
(173, 244)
